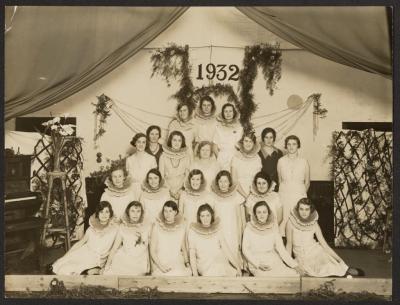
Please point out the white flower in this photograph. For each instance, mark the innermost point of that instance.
(63, 132)
(54, 127)
(56, 120)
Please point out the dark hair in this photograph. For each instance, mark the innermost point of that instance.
(137, 137)
(305, 201)
(226, 106)
(208, 99)
(268, 130)
(176, 133)
(250, 135)
(205, 207)
(262, 175)
(194, 172)
(101, 206)
(116, 168)
(292, 137)
(135, 204)
(201, 145)
(224, 173)
(180, 105)
(259, 204)
(150, 129)
(154, 171)
(170, 204)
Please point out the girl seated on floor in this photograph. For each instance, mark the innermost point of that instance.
(316, 258)
(90, 253)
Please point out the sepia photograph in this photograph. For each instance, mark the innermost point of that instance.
(198, 152)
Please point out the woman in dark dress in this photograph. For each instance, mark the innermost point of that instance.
(154, 148)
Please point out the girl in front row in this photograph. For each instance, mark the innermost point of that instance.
(90, 253)
(316, 258)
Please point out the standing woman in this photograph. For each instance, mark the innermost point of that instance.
(91, 252)
(270, 155)
(315, 257)
(227, 133)
(261, 191)
(205, 119)
(294, 178)
(119, 191)
(183, 122)
(175, 163)
(228, 207)
(167, 243)
(132, 258)
(194, 195)
(139, 163)
(154, 195)
(154, 148)
(209, 253)
(205, 160)
(246, 163)
(263, 246)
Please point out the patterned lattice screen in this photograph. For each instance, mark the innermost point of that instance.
(363, 172)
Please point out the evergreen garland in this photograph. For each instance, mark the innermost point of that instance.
(102, 109)
(218, 90)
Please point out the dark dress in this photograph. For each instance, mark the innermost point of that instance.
(269, 165)
(157, 155)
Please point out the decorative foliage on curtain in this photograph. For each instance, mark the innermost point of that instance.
(362, 173)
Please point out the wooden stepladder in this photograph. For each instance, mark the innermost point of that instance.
(63, 230)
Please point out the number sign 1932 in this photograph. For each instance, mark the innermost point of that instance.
(219, 72)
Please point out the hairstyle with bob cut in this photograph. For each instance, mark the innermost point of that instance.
(208, 99)
(224, 173)
(151, 128)
(266, 131)
(250, 135)
(194, 172)
(205, 207)
(117, 168)
(176, 133)
(305, 201)
(180, 105)
(262, 175)
(201, 145)
(154, 171)
(292, 137)
(259, 204)
(171, 204)
(137, 137)
(135, 204)
(235, 113)
(101, 206)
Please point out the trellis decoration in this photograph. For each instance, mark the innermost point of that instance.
(362, 172)
(71, 162)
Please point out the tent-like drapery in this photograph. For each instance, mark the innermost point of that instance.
(54, 52)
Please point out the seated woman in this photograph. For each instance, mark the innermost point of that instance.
(167, 243)
(205, 119)
(132, 258)
(315, 257)
(205, 160)
(139, 163)
(183, 122)
(209, 253)
(263, 246)
(154, 195)
(194, 196)
(91, 252)
(175, 163)
(261, 191)
(228, 132)
(246, 163)
(119, 191)
(153, 147)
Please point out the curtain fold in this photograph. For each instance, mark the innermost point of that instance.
(354, 36)
(54, 52)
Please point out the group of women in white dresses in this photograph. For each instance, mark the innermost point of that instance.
(211, 201)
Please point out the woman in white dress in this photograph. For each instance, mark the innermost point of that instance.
(205, 160)
(153, 147)
(183, 122)
(261, 191)
(194, 195)
(228, 132)
(119, 191)
(130, 252)
(205, 119)
(263, 246)
(316, 258)
(294, 178)
(139, 163)
(209, 253)
(246, 163)
(175, 163)
(167, 243)
(154, 195)
(228, 207)
(90, 253)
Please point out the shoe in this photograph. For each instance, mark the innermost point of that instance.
(355, 272)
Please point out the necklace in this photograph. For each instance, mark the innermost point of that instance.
(177, 162)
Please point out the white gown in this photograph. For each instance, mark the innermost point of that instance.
(209, 169)
(271, 198)
(204, 127)
(153, 201)
(138, 167)
(188, 130)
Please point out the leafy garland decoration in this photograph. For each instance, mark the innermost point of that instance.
(318, 112)
(218, 90)
(102, 111)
